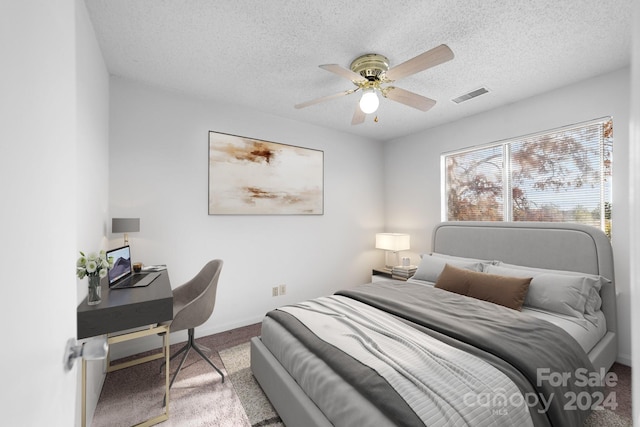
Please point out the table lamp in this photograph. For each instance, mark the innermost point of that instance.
(125, 225)
(392, 243)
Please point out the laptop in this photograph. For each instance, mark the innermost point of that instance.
(121, 275)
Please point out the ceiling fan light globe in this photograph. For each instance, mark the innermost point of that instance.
(369, 102)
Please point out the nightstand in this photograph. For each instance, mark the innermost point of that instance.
(379, 274)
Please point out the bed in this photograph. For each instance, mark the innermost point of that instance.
(313, 378)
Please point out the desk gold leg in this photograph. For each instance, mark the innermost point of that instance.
(166, 371)
(165, 416)
(153, 330)
(84, 393)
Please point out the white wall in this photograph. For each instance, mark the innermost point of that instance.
(38, 192)
(93, 141)
(159, 173)
(412, 166)
(92, 82)
(634, 190)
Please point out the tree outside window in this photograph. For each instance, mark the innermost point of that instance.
(562, 175)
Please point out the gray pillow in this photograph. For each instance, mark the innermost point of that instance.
(593, 305)
(430, 267)
(601, 279)
(594, 300)
(554, 290)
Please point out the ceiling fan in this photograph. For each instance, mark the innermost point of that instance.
(371, 71)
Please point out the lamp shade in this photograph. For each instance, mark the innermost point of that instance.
(393, 241)
(125, 225)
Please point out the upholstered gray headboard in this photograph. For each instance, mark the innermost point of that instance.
(558, 246)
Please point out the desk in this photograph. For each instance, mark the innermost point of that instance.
(124, 309)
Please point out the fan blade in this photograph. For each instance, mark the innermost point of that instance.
(425, 60)
(343, 72)
(358, 116)
(325, 98)
(411, 99)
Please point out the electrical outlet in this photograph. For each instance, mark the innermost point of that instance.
(283, 289)
(274, 291)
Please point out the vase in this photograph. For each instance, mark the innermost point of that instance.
(95, 290)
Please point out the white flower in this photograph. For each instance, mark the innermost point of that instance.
(82, 261)
(95, 264)
(92, 266)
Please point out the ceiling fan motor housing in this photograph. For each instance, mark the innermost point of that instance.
(370, 66)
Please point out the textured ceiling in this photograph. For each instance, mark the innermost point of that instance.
(265, 54)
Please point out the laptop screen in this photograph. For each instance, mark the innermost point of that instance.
(121, 263)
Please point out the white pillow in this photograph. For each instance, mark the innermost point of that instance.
(555, 290)
(430, 267)
(462, 259)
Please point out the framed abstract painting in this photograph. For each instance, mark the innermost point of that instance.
(254, 177)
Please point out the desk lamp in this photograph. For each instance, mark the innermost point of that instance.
(125, 225)
(392, 243)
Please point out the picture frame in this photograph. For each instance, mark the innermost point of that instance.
(250, 176)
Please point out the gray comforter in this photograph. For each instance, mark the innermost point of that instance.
(515, 343)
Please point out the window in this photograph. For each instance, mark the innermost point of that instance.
(562, 175)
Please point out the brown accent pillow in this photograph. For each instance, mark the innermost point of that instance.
(503, 290)
(454, 279)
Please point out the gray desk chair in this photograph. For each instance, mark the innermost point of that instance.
(193, 304)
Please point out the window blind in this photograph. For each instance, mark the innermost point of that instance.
(474, 185)
(562, 175)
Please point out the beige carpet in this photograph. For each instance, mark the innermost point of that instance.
(198, 397)
(256, 405)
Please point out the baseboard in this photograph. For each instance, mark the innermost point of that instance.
(141, 345)
(624, 359)
(215, 329)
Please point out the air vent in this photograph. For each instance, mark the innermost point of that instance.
(472, 94)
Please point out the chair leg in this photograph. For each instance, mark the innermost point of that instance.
(191, 343)
(186, 353)
(173, 379)
(197, 349)
(186, 347)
